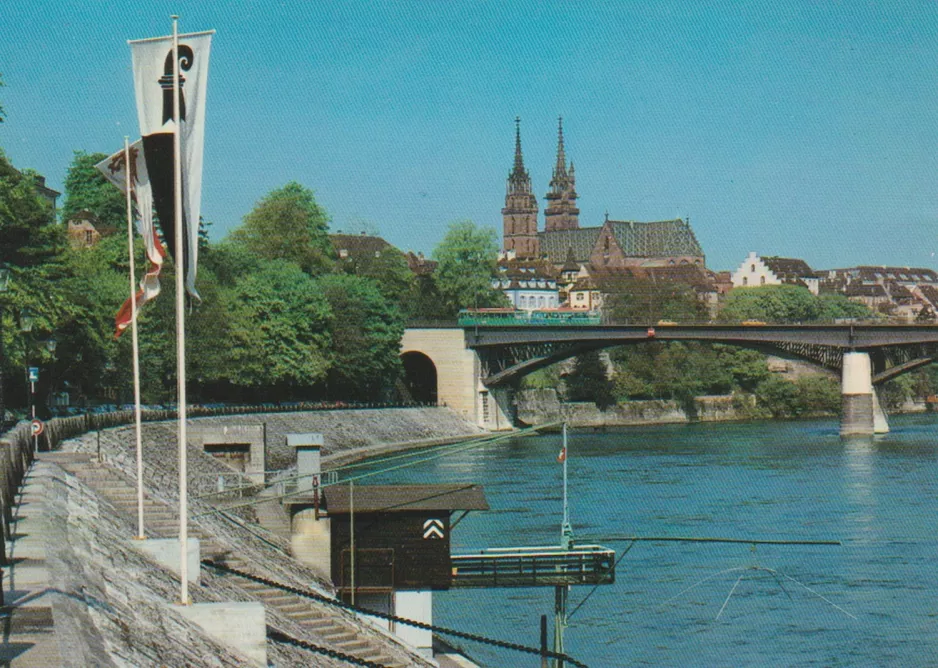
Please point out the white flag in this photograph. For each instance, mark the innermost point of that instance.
(114, 169)
(153, 84)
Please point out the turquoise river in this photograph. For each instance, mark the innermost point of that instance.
(872, 601)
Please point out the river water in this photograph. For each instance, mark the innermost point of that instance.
(871, 601)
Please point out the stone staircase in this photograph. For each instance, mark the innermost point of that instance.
(327, 626)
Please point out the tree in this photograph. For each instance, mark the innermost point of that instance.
(589, 381)
(771, 303)
(86, 189)
(366, 334)
(835, 306)
(288, 225)
(467, 258)
(2, 112)
(28, 235)
(646, 301)
(279, 336)
(387, 268)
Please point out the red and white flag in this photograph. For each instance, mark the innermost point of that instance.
(153, 84)
(562, 457)
(114, 169)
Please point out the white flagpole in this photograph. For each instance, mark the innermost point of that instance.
(566, 455)
(180, 326)
(136, 347)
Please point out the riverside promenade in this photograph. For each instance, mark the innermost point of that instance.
(78, 592)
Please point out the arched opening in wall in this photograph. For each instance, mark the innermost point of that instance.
(419, 378)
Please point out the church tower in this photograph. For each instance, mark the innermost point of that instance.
(561, 212)
(519, 217)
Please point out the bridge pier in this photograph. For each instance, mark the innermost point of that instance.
(496, 410)
(861, 412)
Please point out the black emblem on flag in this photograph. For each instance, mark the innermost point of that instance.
(166, 81)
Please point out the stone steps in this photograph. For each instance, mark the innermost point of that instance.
(330, 630)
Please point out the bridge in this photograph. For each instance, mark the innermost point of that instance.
(475, 368)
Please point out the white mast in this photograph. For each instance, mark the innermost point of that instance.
(180, 326)
(136, 347)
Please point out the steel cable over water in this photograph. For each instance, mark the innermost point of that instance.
(394, 618)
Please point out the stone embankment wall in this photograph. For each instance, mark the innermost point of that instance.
(344, 431)
(109, 602)
(542, 406)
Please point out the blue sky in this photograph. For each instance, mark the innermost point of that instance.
(803, 129)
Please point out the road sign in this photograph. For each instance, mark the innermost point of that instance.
(433, 529)
(36, 427)
(34, 374)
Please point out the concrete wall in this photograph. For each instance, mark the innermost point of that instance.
(250, 434)
(457, 367)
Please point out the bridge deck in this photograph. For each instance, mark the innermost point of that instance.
(535, 566)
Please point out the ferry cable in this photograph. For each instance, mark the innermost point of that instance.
(596, 586)
(394, 618)
(679, 539)
(285, 639)
(446, 450)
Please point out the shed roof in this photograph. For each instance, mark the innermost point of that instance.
(404, 498)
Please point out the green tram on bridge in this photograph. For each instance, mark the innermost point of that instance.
(508, 317)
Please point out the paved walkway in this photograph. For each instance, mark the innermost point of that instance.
(28, 638)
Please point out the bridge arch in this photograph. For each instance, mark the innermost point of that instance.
(516, 370)
(420, 377)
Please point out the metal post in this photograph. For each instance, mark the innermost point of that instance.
(32, 410)
(560, 621)
(543, 641)
(351, 523)
(3, 412)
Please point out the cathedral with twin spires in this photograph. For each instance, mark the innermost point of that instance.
(613, 245)
(519, 217)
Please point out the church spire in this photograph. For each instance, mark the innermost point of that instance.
(519, 159)
(519, 217)
(561, 212)
(519, 182)
(560, 170)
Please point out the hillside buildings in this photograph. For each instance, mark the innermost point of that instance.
(575, 262)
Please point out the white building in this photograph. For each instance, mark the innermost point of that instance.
(756, 271)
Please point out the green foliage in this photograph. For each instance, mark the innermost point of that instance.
(771, 303)
(895, 392)
(2, 112)
(86, 189)
(835, 306)
(229, 261)
(589, 381)
(387, 269)
(748, 367)
(808, 395)
(366, 338)
(542, 379)
(279, 328)
(631, 300)
(425, 302)
(467, 258)
(288, 225)
(28, 235)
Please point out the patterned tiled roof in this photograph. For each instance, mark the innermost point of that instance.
(556, 244)
(787, 267)
(659, 239)
(929, 292)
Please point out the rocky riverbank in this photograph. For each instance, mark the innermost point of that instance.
(543, 406)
